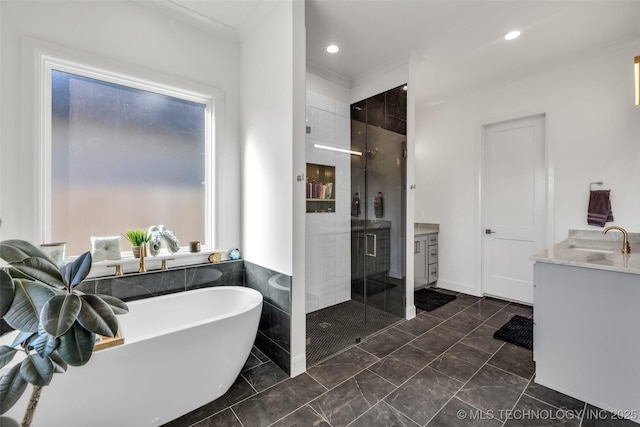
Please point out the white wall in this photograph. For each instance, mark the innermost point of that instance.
(272, 77)
(267, 141)
(122, 33)
(328, 235)
(593, 134)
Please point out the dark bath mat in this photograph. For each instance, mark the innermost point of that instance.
(429, 300)
(373, 287)
(518, 331)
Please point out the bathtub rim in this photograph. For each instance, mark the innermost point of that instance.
(254, 294)
(256, 299)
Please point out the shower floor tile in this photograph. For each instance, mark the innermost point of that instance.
(340, 326)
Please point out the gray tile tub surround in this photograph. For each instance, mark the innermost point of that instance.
(161, 282)
(274, 332)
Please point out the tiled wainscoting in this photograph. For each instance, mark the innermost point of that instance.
(275, 323)
(274, 332)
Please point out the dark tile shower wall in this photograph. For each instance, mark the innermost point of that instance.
(387, 110)
(274, 331)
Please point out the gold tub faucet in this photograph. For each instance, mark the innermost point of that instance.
(626, 249)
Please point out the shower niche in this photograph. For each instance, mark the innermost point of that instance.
(321, 188)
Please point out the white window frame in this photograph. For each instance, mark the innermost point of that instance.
(191, 91)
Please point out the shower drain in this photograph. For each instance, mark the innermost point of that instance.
(324, 325)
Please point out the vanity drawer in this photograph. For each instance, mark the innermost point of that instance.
(433, 239)
(433, 254)
(433, 273)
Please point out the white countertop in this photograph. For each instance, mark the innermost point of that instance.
(592, 250)
(421, 229)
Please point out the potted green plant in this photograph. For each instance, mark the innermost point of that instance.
(57, 323)
(138, 238)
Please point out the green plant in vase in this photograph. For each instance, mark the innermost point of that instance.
(57, 323)
(138, 237)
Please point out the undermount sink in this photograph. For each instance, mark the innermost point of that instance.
(596, 250)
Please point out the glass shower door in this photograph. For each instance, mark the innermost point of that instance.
(378, 185)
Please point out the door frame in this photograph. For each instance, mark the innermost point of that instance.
(549, 208)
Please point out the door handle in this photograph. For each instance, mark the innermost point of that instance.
(373, 238)
(488, 231)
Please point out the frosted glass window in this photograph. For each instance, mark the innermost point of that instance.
(124, 158)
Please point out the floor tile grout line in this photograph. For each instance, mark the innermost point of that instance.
(584, 412)
(520, 397)
(254, 394)
(317, 413)
(412, 376)
(540, 400)
(427, 366)
(354, 345)
(249, 382)
(466, 382)
(463, 308)
(388, 404)
(237, 417)
(474, 374)
(304, 404)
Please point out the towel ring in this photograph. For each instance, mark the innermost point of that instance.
(596, 183)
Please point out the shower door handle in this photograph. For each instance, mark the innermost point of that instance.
(370, 237)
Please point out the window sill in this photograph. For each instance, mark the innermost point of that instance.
(131, 265)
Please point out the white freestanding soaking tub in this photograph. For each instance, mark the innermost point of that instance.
(180, 352)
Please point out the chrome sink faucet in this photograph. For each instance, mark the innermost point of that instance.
(626, 249)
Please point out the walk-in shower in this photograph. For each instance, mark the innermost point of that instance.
(376, 222)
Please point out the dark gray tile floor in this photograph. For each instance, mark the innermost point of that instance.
(443, 368)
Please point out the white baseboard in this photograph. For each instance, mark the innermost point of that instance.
(410, 312)
(298, 365)
(459, 287)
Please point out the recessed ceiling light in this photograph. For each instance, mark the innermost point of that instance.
(511, 35)
(332, 48)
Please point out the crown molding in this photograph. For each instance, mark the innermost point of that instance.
(328, 74)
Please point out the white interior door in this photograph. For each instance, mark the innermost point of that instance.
(514, 206)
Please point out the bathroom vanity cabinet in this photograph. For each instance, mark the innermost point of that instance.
(425, 252)
(587, 323)
(373, 252)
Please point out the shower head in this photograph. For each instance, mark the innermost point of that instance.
(372, 154)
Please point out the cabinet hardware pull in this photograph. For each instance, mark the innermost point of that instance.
(366, 250)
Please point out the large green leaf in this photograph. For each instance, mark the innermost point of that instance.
(40, 269)
(75, 272)
(17, 250)
(7, 288)
(76, 346)
(6, 355)
(12, 386)
(59, 365)
(43, 343)
(59, 313)
(116, 304)
(36, 370)
(97, 316)
(28, 300)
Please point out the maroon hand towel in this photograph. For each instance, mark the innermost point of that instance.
(599, 211)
